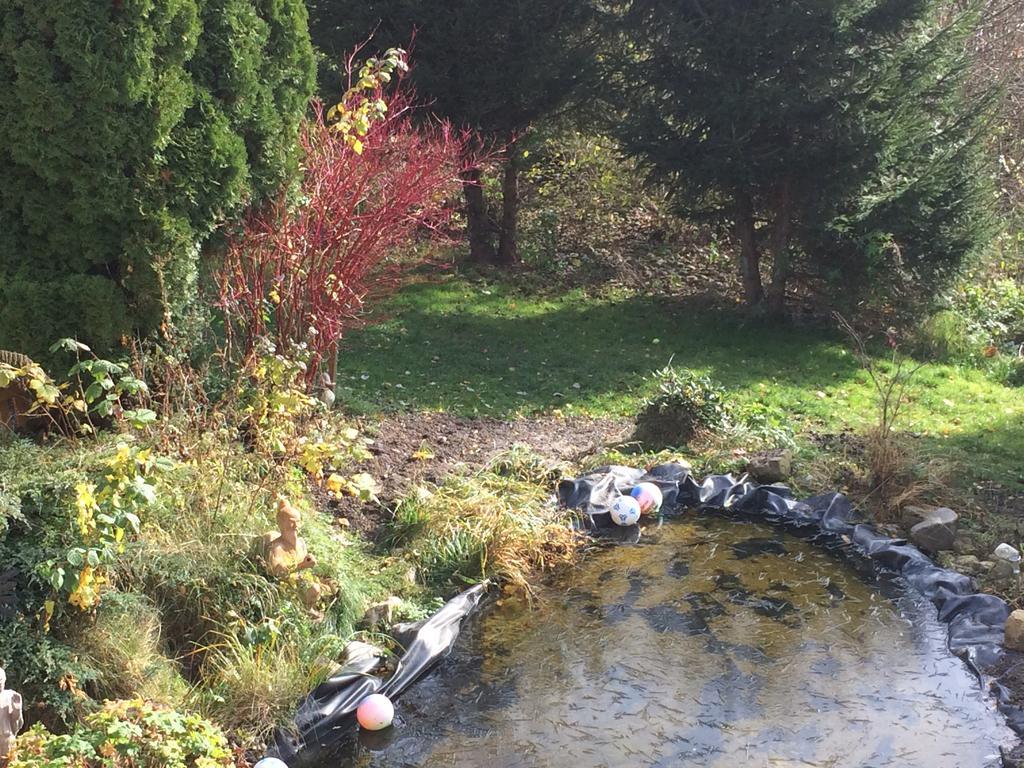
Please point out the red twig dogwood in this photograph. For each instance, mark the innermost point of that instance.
(299, 268)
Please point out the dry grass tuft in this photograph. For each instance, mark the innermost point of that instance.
(487, 524)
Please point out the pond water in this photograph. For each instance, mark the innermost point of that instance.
(710, 643)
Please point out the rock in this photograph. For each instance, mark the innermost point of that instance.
(911, 516)
(356, 652)
(771, 466)
(967, 543)
(1014, 638)
(1002, 570)
(310, 592)
(968, 564)
(1008, 553)
(381, 613)
(1013, 757)
(937, 532)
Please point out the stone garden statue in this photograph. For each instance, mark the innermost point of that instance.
(11, 718)
(285, 551)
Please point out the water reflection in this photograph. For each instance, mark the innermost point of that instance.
(711, 643)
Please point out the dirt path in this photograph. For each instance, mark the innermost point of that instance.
(403, 441)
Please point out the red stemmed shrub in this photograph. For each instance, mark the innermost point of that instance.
(298, 269)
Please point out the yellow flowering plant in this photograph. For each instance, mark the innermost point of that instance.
(107, 513)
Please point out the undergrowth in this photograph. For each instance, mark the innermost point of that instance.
(499, 523)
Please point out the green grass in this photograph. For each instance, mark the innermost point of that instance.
(486, 349)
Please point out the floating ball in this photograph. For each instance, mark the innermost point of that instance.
(625, 511)
(649, 496)
(376, 712)
(271, 762)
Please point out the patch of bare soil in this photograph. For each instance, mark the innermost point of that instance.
(425, 447)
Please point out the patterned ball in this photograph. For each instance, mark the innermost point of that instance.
(375, 712)
(649, 496)
(625, 511)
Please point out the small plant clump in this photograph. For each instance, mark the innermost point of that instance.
(685, 405)
(127, 734)
(497, 523)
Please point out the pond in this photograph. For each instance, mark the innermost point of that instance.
(710, 643)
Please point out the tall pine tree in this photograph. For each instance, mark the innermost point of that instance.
(829, 136)
(490, 65)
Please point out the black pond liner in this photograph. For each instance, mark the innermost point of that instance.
(975, 621)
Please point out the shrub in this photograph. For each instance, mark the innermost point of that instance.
(132, 129)
(685, 405)
(128, 734)
(298, 272)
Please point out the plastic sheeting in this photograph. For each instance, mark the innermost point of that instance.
(975, 621)
(327, 716)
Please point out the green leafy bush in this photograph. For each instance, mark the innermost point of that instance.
(132, 129)
(127, 734)
(983, 320)
(684, 405)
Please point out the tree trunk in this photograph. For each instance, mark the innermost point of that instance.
(779, 247)
(478, 228)
(750, 256)
(508, 244)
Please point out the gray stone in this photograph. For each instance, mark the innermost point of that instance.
(967, 544)
(911, 516)
(771, 466)
(1002, 570)
(937, 532)
(1014, 639)
(968, 564)
(358, 652)
(381, 614)
(1013, 757)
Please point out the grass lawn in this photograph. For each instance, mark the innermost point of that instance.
(475, 348)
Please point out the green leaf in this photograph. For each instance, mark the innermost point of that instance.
(93, 392)
(140, 417)
(69, 345)
(144, 489)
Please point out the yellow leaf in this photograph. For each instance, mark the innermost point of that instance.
(335, 483)
(423, 453)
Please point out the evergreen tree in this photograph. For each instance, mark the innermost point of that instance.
(490, 65)
(131, 128)
(829, 136)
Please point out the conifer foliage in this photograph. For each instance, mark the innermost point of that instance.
(832, 138)
(131, 128)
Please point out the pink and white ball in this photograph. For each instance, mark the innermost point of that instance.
(625, 511)
(649, 496)
(375, 712)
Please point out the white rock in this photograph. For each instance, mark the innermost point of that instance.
(1006, 552)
